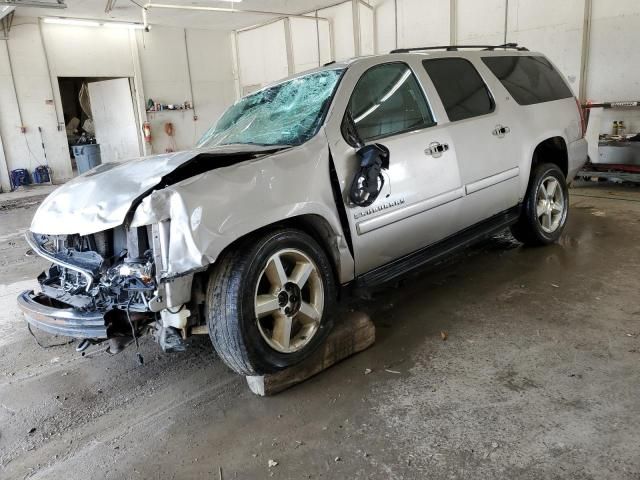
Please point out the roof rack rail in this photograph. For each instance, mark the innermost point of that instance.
(455, 48)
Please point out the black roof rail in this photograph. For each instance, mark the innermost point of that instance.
(455, 48)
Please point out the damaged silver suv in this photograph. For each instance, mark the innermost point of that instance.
(355, 173)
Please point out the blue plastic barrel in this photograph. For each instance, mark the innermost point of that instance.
(87, 157)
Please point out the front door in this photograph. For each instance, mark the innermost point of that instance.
(422, 188)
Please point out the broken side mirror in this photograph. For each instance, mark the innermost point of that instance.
(368, 181)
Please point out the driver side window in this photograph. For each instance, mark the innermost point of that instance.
(388, 100)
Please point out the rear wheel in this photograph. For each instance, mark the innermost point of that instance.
(545, 208)
(270, 302)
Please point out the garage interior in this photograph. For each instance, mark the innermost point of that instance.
(503, 361)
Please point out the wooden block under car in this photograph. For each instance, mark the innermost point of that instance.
(352, 334)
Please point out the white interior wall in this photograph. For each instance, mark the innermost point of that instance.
(480, 23)
(419, 23)
(33, 92)
(423, 22)
(326, 49)
(100, 52)
(367, 30)
(552, 27)
(613, 70)
(210, 57)
(75, 50)
(304, 43)
(262, 51)
(385, 26)
(262, 55)
(168, 82)
(341, 17)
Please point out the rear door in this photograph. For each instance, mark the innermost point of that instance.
(420, 198)
(485, 135)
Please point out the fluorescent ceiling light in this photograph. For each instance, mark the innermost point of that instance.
(134, 26)
(72, 21)
(92, 23)
(190, 7)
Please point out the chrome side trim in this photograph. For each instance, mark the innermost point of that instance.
(409, 211)
(44, 254)
(492, 180)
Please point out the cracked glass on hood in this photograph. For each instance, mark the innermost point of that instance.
(289, 113)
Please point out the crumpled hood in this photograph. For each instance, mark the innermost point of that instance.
(101, 198)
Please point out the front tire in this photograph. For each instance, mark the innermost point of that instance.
(270, 302)
(545, 209)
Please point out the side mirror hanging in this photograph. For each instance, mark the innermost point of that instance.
(368, 181)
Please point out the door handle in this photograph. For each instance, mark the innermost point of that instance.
(436, 149)
(500, 131)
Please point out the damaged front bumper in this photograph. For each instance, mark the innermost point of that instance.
(68, 322)
(90, 291)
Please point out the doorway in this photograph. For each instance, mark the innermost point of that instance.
(100, 111)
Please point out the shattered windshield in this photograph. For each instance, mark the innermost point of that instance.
(289, 113)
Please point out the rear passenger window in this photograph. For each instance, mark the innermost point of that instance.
(388, 100)
(461, 89)
(528, 79)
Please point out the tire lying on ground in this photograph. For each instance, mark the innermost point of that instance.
(545, 207)
(270, 302)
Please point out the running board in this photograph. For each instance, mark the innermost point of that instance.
(438, 251)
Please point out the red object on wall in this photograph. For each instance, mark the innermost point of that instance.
(146, 129)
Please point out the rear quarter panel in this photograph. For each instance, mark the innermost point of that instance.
(541, 121)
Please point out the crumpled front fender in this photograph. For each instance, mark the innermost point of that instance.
(208, 212)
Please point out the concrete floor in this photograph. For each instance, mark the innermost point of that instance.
(539, 378)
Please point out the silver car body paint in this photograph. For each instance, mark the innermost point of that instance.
(479, 176)
(101, 198)
(424, 200)
(234, 201)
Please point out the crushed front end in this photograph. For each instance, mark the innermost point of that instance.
(108, 285)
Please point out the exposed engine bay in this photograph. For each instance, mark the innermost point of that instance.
(113, 273)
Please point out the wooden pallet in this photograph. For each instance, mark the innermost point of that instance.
(351, 335)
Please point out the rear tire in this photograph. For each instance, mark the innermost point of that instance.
(270, 302)
(545, 209)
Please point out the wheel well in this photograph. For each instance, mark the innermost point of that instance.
(552, 150)
(313, 225)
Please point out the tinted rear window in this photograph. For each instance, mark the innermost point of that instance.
(529, 80)
(462, 91)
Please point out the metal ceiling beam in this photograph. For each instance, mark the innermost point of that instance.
(111, 4)
(5, 10)
(220, 9)
(5, 23)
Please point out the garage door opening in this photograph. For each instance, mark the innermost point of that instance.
(100, 120)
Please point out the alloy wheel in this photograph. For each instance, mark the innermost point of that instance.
(550, 204)
(289, 301)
